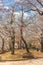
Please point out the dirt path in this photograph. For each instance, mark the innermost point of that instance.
(26, 62)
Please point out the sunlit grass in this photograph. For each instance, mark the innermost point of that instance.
(18, 55)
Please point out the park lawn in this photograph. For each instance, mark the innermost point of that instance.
(20, 55)
(17, 56)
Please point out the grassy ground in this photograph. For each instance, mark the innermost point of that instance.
(21, 55)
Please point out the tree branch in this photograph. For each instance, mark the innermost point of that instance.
(40, 12)
(40, 3)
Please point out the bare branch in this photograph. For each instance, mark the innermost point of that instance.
(36, 9)
(40, 3)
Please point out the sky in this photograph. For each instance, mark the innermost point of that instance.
(9, 2)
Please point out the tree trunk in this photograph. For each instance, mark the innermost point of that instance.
(22, 39)
(12, 51)
(41, 44)
(25, 45)
(41, 41)
(2, 45)
(13, 41)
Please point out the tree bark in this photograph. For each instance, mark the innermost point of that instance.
(12, 42)
(41, 41)
(22, 39)
(41, 44)
(25, 45)
(12, 51)
(2, 45)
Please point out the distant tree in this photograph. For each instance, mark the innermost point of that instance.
(29, 5)
(37, 6)
(42, 42)
(12, 32)
(23, 25)
(2, 44)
